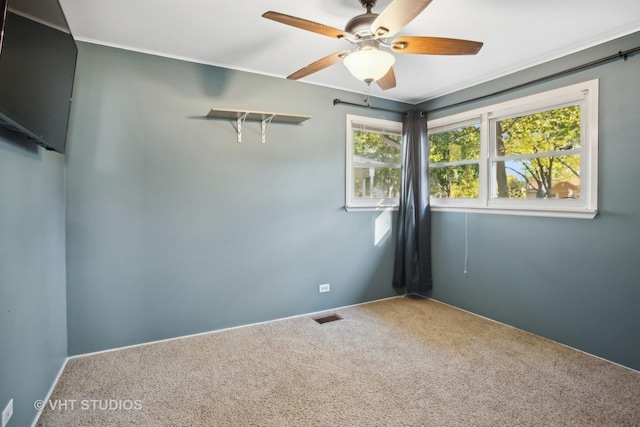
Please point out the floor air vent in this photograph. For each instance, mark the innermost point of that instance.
(326, 319)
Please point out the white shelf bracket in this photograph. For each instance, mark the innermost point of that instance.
(241, 120)
(266, 123)
(265, 119)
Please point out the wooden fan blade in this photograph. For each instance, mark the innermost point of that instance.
(320, 64)
(388, 81)
(396, 16)
(435, 46)
(314, 27)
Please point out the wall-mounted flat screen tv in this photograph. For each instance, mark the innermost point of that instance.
(37, 66)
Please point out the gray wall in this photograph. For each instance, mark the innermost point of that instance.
(174, 228)
(574, 281)
(33, 329)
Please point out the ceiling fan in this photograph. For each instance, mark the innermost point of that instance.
(371, 31)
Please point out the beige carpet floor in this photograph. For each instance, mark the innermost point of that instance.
(397, 362)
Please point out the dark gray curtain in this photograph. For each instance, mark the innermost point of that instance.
(412, 265)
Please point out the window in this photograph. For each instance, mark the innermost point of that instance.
(454, 161)
(532, 156)
(374, 153)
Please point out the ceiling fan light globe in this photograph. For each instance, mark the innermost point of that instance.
(369, 65)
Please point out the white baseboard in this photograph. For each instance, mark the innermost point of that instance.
(64, 365)
(531, 333)
(225, 329)
(48, 396)
(294, 317)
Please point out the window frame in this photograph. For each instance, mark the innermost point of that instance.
(367, 204)
(584, 94)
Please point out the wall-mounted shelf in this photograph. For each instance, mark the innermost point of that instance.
(265, 117)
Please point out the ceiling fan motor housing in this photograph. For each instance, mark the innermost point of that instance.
(361, 25)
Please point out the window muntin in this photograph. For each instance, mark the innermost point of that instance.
(538, 155)
(374, 156)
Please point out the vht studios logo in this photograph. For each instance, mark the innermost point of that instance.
(89, 404)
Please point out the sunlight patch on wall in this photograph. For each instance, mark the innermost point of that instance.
(382, 227)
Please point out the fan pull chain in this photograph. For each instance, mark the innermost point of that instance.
(367, 99)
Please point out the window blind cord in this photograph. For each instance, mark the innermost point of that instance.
(466, 241)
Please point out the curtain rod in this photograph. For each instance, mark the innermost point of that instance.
(620, 55)
(369, 106)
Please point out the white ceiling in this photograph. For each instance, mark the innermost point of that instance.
(232, 34)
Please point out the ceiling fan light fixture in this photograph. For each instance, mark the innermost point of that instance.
(369, 65)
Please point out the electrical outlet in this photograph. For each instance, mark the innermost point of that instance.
(324, 288)
(7, 413)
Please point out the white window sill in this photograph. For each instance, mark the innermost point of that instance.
(377, 208)
(576, 214)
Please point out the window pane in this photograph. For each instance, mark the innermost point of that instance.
(461, 182)
(543, 178)
(540, 132)
(376, 183)
(452, 145)
(376, 147)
